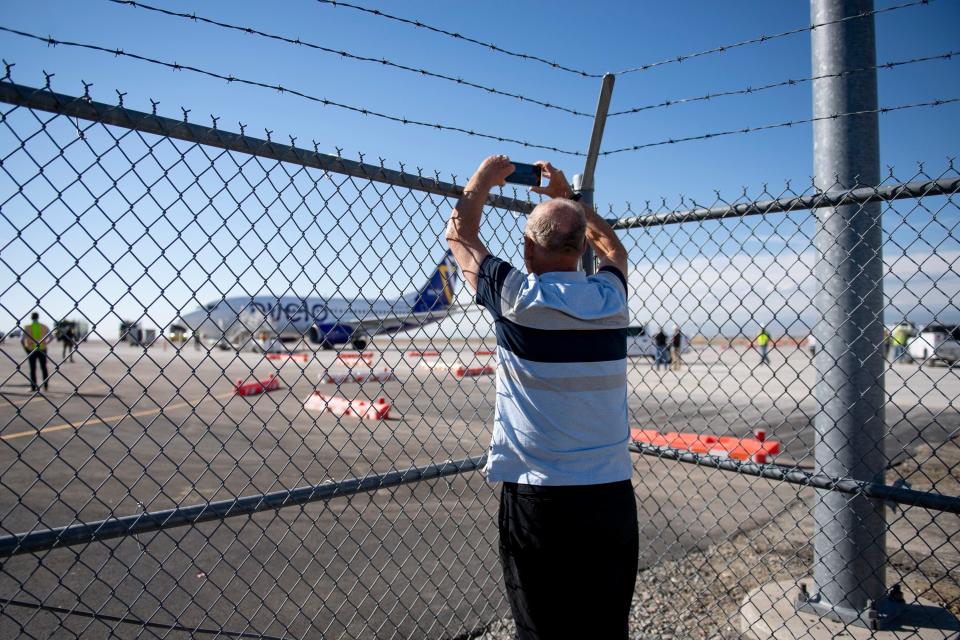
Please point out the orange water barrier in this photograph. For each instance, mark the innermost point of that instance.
(242, 388)
(350, 358)
(470, 372)
(757, 450)
(298, 357)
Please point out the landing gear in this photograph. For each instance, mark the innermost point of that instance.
(359, 344)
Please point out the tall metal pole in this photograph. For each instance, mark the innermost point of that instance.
(849, 543)
(583, 184)
(588, 260)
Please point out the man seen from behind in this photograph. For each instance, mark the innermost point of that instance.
(568, 518)
(662, 351)
(36, 335)
(763, 344)
(676, 349)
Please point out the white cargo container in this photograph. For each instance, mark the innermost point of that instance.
(936, 342)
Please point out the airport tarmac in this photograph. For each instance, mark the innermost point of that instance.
(125, 429)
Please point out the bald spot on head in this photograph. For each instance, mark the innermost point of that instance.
(558, 226)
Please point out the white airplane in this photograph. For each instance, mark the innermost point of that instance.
(241, 321)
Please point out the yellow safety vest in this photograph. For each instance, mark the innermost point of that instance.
(900, 336)
(36, 332)
(763, 338)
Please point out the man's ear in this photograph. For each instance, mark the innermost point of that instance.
(527, 252)
(583, 247)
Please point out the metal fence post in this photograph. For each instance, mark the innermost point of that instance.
(588, 260)
(583, 183)
(849, 544)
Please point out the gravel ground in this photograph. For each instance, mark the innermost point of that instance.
(929, 561)
(698, 596)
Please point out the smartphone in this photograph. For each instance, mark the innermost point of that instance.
(528, 174)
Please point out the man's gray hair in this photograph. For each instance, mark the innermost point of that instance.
(557, 226)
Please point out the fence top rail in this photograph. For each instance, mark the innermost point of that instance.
(85, 108)
(860, 195)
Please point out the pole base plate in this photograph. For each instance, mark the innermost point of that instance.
(769, 611)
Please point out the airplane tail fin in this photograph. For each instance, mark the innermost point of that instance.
(438, 293)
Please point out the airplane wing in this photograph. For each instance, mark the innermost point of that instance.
(374, 324)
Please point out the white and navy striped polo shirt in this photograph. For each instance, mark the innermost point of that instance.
(561, 408)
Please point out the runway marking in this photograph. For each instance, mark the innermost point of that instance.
(18, 406)
(119, 418)
(51, 396)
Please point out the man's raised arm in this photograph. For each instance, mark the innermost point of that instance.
(463, 230)
(606, 245)
(601, 236)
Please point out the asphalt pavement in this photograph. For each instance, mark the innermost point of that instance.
(125, 430)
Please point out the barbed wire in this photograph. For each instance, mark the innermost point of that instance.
(51, 41)
(783, 83)
(354, 56)
(587, 74)
(790, 123)
(765, 38)
(459, 36)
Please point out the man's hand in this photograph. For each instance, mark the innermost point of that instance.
(492, 172)
(557, 185)
(463, 230)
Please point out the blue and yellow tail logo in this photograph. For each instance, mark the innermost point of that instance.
(438, 293)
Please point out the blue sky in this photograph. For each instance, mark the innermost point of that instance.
(599, 36)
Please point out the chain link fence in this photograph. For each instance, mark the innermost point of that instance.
(723, 274)
(142, 495)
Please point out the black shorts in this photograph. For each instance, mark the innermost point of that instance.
(569, 557)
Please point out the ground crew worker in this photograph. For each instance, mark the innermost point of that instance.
(901, 333)
(812, 345)
(35, 338)
(70, 339)
(763, 344)
(660, 341)
(676, 349)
